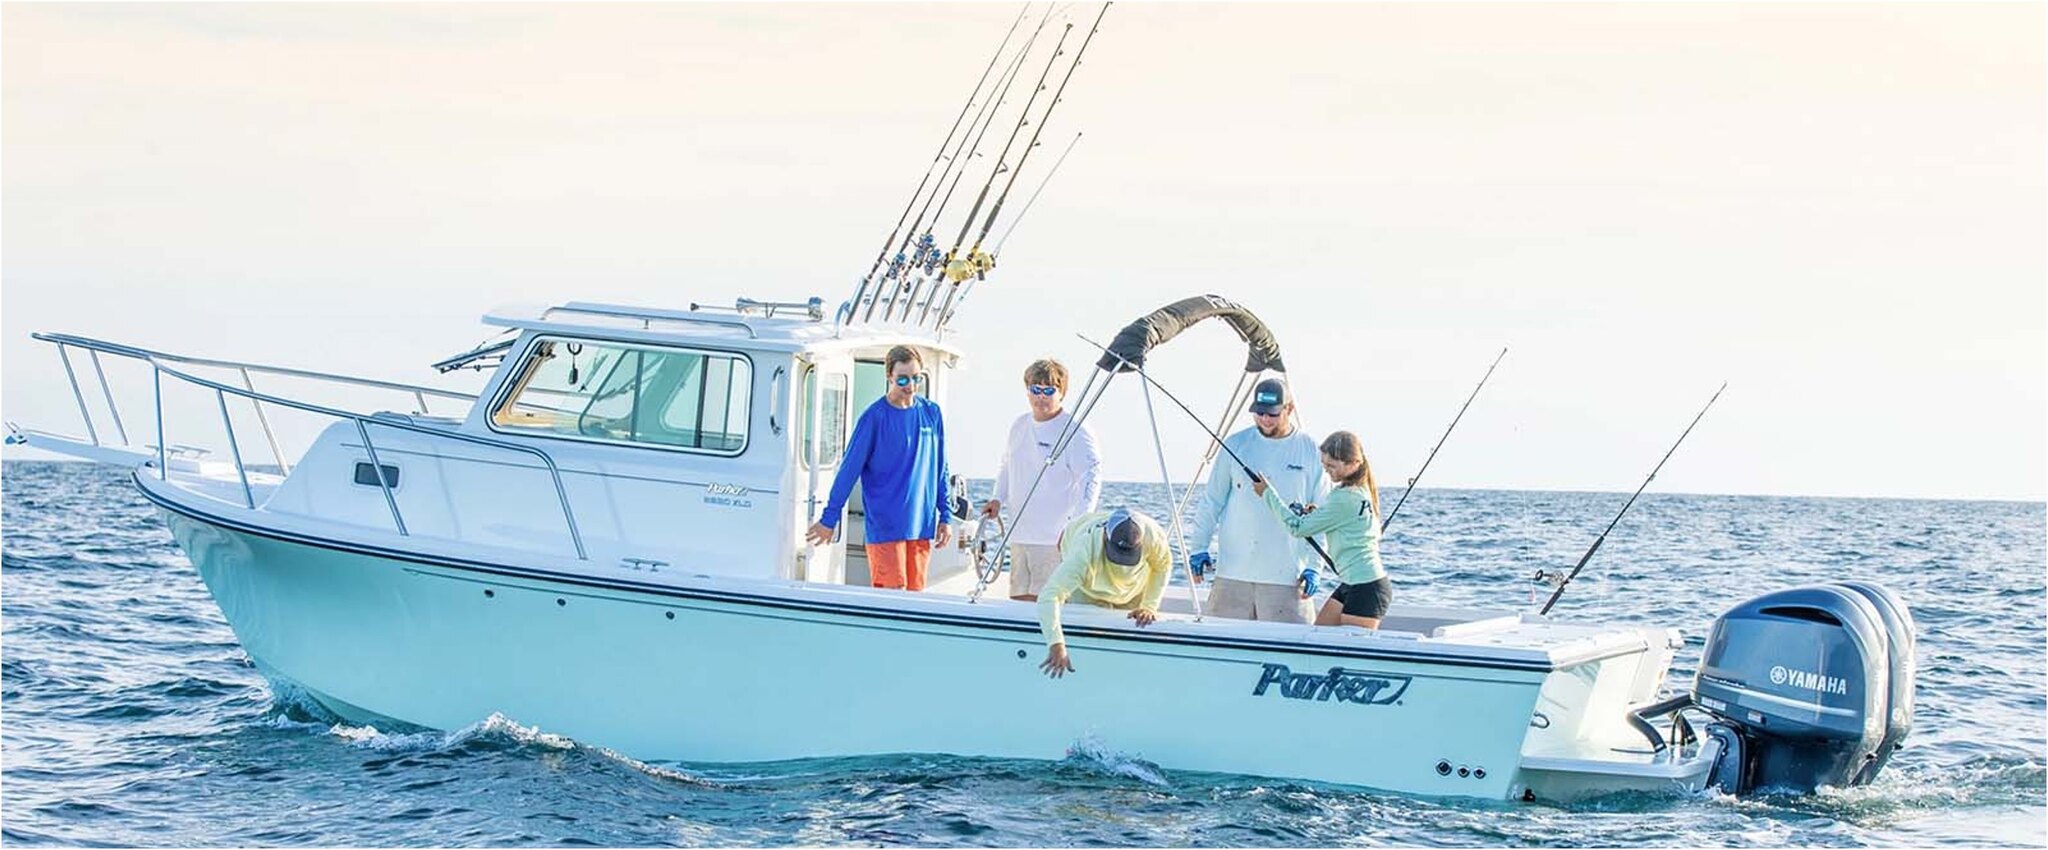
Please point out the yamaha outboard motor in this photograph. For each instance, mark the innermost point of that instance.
(1810, 686)
(1899, 628)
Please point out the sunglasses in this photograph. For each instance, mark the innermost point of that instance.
(907, 380)
(1274, 415)
(1041, 389)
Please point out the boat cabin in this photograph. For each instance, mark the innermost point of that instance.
(691, 441)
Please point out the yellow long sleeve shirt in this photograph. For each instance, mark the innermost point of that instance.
(1085, 571)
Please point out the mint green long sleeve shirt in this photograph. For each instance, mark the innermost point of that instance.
(1347, 519)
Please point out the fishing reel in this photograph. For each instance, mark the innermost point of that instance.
(975, 264)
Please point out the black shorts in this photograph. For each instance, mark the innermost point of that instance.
(1366, 600)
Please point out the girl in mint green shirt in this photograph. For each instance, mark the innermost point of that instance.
(1350, 519)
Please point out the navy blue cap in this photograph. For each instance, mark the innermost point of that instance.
(1270, 395)
(1123, 540)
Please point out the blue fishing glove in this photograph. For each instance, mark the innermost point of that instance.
(1199, 563)
(1308, 580)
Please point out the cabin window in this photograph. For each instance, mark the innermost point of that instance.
(824, 450)
(367, 476)
(676, 398)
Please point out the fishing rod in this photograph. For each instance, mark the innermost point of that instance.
(1625, 506)
(902, 265)
(940, 154)
(978, 263)
(1440, 442)
(926, 257)
(1044, 117)
(1254, 476)
(946, 313)
(1005, 238)
(1023, 117)
(925, 246)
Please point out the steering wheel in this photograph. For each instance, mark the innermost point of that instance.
(988, 549)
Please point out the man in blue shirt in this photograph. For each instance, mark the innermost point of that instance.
(898, 453)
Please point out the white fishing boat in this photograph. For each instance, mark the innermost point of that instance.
(607, 542)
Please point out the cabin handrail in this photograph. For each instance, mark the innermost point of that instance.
(158, 365)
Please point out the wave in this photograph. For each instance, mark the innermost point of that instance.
(294, 708)
(1091, 754)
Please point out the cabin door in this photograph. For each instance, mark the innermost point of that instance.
(822, 411)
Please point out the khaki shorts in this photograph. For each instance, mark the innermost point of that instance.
(1030, 567)
(1249, 600)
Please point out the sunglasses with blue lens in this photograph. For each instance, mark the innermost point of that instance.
(907, 380)
(1041, 389)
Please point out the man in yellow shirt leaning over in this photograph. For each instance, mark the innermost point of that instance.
(1116, 559)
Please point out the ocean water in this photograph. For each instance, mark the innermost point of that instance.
(131, 717)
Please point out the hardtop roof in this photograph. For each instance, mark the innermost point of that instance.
(729, 330)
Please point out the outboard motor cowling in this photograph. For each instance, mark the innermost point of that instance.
(1899, 628)
(1804, 681)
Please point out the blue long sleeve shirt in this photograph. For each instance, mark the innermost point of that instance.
(898, 454)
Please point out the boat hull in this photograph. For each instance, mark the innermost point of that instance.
(671, 676)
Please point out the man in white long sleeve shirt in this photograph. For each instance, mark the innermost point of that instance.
(1070, 488)
(1258, 564)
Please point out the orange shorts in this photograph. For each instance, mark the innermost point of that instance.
(900, 564)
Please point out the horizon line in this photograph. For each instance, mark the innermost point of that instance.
(2040, 502)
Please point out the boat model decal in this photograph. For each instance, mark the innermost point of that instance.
(1352, 686)
(841, 608)
(727, 495)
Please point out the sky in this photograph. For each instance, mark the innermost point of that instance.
(1839, 209)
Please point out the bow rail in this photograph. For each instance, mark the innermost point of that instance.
(159, 363)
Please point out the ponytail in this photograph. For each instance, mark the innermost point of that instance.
(1345, 446)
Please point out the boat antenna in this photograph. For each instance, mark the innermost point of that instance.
(941, 154)
(927, 249)
(1624, 508)
(1312, 544)
(1440, 442)
(976, 264)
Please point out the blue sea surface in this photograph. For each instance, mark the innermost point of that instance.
(130, 716)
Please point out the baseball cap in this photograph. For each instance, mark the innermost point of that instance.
(1123, 540)
(1270, 395)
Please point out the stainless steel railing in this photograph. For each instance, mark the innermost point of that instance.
(158, 362)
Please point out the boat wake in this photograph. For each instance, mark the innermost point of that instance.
(496, 732)
(1906, 793)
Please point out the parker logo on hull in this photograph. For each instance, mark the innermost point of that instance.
(1810, 681)
(1343, 685)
